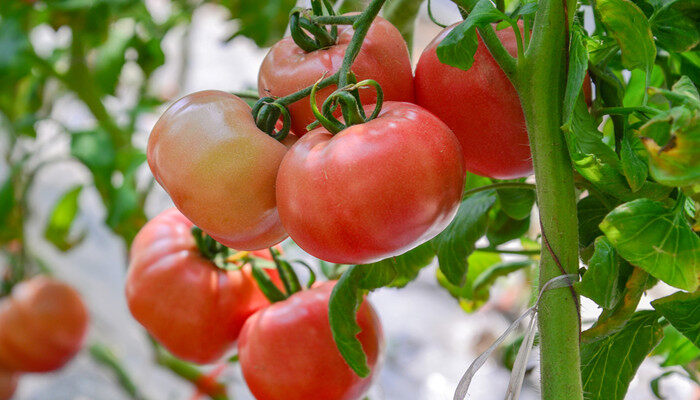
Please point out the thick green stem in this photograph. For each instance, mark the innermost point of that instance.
(361, 28)
(540, 80)
(402, 13)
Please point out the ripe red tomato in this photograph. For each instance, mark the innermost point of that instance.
(8, 384)
(373, 190)
(383, 57)
(219, 168)
(287, 350)
(192, 307)
(481, 107)
(42, 326)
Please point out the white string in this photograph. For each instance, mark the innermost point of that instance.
(520, 366)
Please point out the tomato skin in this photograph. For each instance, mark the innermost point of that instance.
(190, 306)
(383, 57)
(8, 384)
(219, 168)
(481, 107)
(287, 352)
(42, 326)
(374, 190)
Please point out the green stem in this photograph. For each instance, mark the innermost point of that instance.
(634, 288)
(540, 81)
(335, 19)
(628, 110)
(500, 185)
(361, 28)
(188, 372)
(506, 251)
(103, 355)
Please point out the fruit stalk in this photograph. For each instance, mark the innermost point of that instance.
(541, 80)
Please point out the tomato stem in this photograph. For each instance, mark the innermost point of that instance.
(265, 284)
(500, 185)
(286, 273)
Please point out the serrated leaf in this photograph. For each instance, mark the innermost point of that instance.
(578, 64)
(344, 302)
(457, 241)
(656, 239)
(630, 28)
(516, 203)
(459, 46)
(57, 230)
(600, 282)
(682, 310)
(609, 364)
(469, 298)
(633, 160)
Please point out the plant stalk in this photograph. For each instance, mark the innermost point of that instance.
(541, 80)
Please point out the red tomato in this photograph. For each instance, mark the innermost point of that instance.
(219, 168)
(8, 384)
(287, 350)
(192, 307)
(383, 57)
(42, 326)
(374, 190)
(481, 107)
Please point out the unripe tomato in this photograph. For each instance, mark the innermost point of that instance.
(42, 326)
(219, 168)
(287, 352)
(373, 190)
(383, 57)
(481, 107)
(8, 384)
(192, 307)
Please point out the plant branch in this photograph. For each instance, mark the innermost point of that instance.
(103, 355)
(523, 252)
(335, 19)
(500, 185)
(189, 372)
(616, 320)
(361, 28)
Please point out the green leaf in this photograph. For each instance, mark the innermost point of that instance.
(636, 86)
(673, 29)
(676, 348)
(578, 64)
(608, 365)
(471, 298)
(263, 22)
(591, 212)
(656, 239)
(682, 310)
(495, 271)
(502, 228)
(517, 203)
(7, 200)
(600, 282)
(94, 149)
(459, 46)
(633, 159)
(630, 28)
(345, 300)
(407, 265)
(58, 228)
(457, 241)
(110, 57)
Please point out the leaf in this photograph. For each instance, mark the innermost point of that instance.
(591, 212)
(344, 302)
(263, 22)
(502, 228)
(609, 364)
(7, 200)
(408, 265)
(94, 149)
(600, 282)
(459, 46)
(633, 159)
(110, 57)
(682, 310)
(516, 203)
(673, 29)
(495, 271)
(637, 86)
(469, 298)
(57, 230)
(656, 239)
(676, 348)
(630, 28)
(457, 241)
(578, 64)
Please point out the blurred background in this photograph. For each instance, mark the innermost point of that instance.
(81, 84)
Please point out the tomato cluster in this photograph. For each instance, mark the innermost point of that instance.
(354, 190)
(43, 323)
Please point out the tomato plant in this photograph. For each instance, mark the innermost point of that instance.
(287, 350)
(288, 68)
(191, 306)
(216, 131)
(375, 189)
(42, 326)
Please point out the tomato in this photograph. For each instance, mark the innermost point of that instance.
(373, 190)
(383, 57)
(287, 352)
(8, 384)
(42, 326)
(192, 307)
(481, 107)
(219, 168)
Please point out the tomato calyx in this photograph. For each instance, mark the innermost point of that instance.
(306, 32)
(348, 98)
(267, 112)
(289, 278)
